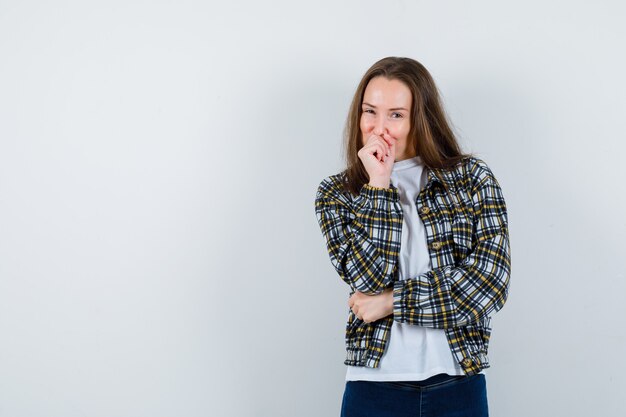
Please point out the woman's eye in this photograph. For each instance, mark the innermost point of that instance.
(393, 115)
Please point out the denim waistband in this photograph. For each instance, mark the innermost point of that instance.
(433, 381)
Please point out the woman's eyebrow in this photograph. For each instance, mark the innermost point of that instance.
(395, 108)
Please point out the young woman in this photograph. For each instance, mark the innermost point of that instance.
(419, 231)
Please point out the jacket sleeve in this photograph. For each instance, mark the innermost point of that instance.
(455, 295)
(362, 234)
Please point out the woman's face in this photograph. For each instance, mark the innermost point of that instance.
(386, 108)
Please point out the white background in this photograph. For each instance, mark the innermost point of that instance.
(159, 251)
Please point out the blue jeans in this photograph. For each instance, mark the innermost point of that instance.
(441, 395)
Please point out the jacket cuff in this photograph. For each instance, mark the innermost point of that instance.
(388, 194)
(398, 306)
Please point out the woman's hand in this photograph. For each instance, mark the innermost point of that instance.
(370, 308)
(378, 156)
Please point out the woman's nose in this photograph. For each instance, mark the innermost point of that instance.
(379, 127)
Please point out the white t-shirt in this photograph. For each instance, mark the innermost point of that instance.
(413, 353)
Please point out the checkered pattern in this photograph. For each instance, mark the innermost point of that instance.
(465, 217)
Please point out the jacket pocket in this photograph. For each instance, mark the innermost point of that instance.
(462, 236)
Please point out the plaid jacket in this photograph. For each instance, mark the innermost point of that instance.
(465, 217)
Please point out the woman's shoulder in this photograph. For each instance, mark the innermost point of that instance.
(471, 170)
(332, 187)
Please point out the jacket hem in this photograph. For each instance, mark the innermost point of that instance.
(360, 356)
(475, 364)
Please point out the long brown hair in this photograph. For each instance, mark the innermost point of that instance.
(430, 131)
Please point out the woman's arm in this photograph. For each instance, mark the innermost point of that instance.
(362, 236)
(453, 296)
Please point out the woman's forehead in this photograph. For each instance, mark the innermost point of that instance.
(381, 92)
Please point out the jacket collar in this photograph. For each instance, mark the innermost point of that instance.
(443, 177)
